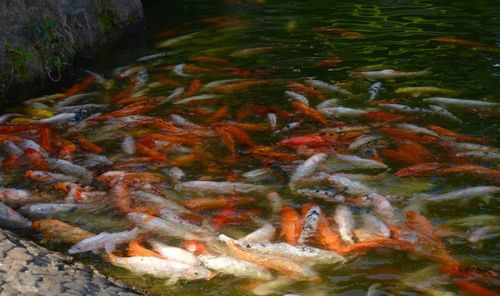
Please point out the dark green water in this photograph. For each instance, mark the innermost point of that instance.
(389, 35)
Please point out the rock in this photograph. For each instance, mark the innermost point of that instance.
(39, 39)
(28, 269)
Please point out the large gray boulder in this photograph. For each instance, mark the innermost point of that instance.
(39, 39)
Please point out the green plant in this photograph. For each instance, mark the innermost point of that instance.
(19, 58)
(52, 45)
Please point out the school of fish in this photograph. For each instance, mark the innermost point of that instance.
(197, 185)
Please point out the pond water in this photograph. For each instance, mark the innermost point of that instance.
(365, 121)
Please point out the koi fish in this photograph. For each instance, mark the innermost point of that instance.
(345, 221)
(247, 52)
(348, 185)
(48, 177)
(219, 187)
(57, 231)
(297, 97)
(342, 112)
(483, 233)
(235, 86)
(159, 226)
(372, 228)
(307, 168)
(388, 74)
(328, 87)
(417, 91)
(15, 196)
(228, 265)
(374, 89)
(465, 43)
(175, 254)
(279, 264)
(462, 194)
(306, 90)
(161, 268)
(104, 240)
(310, 224)
(12, 219)
(291, 224)
(46, 210)
(454, 102)
(307, 255)
(444, 113)
(263, 234)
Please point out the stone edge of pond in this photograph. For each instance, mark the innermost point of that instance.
(29, 269)
(45, 37)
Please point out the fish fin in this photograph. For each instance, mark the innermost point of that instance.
(109, 246)
(171, 281)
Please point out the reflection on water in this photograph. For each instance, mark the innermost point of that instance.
(245, 91)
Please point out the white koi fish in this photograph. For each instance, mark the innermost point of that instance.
(235, 267)
(161, 227)
(345, 221)
(45, 210)
(161, 268)
(297, 97)
(173, 253)
(307, 168)
(328, 87)
(311, 221)
(388, 74)
(12, 219)
(306, 254)
(263, 234)
(219, 187)
(104, 240)
(454, 102)
(342, 112)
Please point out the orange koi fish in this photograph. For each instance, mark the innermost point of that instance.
(203, 203)
(225, 213)
(420, 170)
(291, 225)
(231, 87)
(473, 289)
(240, 135)
(193, 89)
(79, 87)
(309, 141)
(409, 152)
(331, 240)
(66, 148)
(339, 32)
(87, 145)
(205, 59)
(18, 128)
(193, 69)
(465, 43)
(143, 148)
(457, 136)
(399, 133)
(475, 170)
(57, 231)
(136, 249)
(227, 138)
(169, 82)
(46, 139)
(383, 116)
(125, 92)
(306, 90)
(219, 114)
(126, 111)
(310, 112)
(268, 152)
